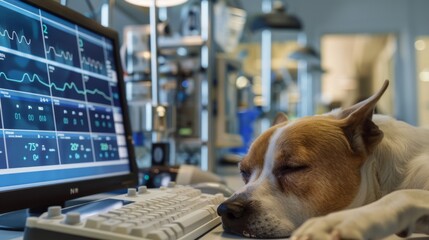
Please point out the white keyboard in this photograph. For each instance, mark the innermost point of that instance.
(176, 212)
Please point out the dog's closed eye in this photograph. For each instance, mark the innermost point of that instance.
(289, 169)
(245, 175)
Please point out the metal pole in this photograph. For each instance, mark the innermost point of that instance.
(267, 6)
(305, 86)
(154, 53)
(207, 160)
(266, 70)
(266, 46)
(153, 18)
(106, 12)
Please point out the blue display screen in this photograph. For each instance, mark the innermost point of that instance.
(60, 115)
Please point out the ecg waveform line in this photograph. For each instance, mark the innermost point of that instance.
(61, 89)
(96, 91)
(20, 39)
(24, 76)
(93, 63)
(63, 54)
(82, 92)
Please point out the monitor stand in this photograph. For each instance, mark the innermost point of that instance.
(15, 221)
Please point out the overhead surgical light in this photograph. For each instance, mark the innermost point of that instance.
(159, 3)
(278, 19)
(306, 53)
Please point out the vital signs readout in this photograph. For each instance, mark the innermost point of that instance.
(75, 148)
(58, 93)
(35, 149)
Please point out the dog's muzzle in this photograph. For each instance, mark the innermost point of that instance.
(235, 214)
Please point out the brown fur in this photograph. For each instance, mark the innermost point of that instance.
(298, 147)
(314, 163)
(254, 160)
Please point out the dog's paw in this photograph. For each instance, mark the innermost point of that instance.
(396, 213)
(323, 228)
(340, 225)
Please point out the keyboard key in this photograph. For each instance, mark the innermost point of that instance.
(142, 231)
(109, 225)
(170, 233)
(192, 220)
(94, 222)
(124, 228)
(178, 231)
(157, 235)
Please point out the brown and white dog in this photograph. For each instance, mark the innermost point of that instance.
(355, 175)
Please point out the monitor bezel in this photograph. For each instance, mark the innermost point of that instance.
(57, 194)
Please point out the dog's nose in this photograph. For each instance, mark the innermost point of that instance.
(231, 210)
(234, 214)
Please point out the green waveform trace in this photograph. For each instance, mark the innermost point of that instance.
(20, 39)
(61, 89)
(92, 63)
(63, 54)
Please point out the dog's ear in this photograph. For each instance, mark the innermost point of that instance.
(280, 118)
(358, 126)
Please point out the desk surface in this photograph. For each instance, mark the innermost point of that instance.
(216, 234)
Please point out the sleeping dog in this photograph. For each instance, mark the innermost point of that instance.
(347, 174)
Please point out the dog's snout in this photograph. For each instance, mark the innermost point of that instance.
(235, 214)
(231, 210)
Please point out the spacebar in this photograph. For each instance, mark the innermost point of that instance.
(193, 220)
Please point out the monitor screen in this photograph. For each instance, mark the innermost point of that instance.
(64, 130)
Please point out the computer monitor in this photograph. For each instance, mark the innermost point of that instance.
(64, 127)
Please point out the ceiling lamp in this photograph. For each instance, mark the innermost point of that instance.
(159, 3)
(306, 53)
(276, 19)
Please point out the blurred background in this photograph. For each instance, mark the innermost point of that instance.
(224, 68)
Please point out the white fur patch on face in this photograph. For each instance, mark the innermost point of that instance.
(281, 213)
(278, 214)
(256, 175)
(267, 171)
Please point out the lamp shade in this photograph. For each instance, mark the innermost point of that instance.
(306, 53)
(159, 3)
(277, 19)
